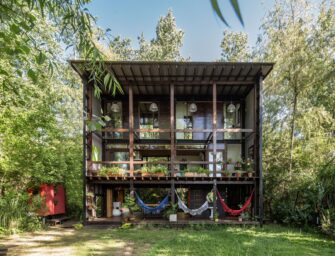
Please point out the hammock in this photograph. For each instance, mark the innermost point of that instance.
(235, 212)
(154, 210)
(193, 212)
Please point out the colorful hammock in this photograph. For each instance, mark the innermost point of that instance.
(193, 212)
(154, 210)
(235, 212)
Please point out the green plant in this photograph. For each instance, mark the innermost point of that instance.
(130, 203)
(199, 170)
(95, 153)
(78, 226)
(172, 209)
(110, 171)
(248, 165)
(155, 169)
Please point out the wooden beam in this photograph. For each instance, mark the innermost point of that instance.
(131, 131)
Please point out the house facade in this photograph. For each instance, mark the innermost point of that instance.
(178, 128)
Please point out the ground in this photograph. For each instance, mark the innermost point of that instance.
(196, 240)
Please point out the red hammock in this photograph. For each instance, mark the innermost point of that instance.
(235, 212)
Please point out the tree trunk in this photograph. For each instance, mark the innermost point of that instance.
(292, 130)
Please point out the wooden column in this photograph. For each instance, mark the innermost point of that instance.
(214, 124)
(172, 141)
(131, 131)
(85, 115)
(255, 111)
(260, 146)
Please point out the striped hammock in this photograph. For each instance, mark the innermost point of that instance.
(193, 212)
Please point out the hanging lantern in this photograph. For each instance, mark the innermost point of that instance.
(192, 108)
(153, 107)
(115, 107)
(231, 108)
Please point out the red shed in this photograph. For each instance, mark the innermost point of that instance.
(54, 196)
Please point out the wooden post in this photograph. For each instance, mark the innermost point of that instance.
(260, 147)
(214, 124)
(172, 142)
(85, 115)
(131, 131)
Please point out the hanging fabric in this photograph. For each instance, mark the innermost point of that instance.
(193, 212)
(232, 211)
(154, 210)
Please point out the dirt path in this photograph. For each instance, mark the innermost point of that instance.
(50, 242)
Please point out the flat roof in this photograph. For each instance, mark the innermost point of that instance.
(160, 72)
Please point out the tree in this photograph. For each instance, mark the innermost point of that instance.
(235, 47)
(166, 45)
(298, 121)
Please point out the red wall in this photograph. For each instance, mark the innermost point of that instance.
(54, 199)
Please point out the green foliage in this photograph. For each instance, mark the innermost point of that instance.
(78, 226)
(155, 169)
(172, 209)
(110, 171)
(235, 47)
(130, 203)
(17, 214)
(199, 170)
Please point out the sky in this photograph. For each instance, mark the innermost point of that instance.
(203, 29)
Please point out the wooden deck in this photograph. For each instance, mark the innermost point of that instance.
(117, 221)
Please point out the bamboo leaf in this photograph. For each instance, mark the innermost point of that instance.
(218, 12)
(237, 10)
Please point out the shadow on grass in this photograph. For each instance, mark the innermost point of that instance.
(271, 240)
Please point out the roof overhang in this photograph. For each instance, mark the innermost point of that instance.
(150, 77)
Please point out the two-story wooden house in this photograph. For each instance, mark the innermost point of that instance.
(193, 127)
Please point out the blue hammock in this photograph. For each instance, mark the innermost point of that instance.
(154, 210)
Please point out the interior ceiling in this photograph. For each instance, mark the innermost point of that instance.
(190, 78)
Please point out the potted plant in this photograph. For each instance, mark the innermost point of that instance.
(238, 165)
(145, 171)
(197, 172)
(159, 170)
(110, 171)
(134, 209)
(171, 212)
(249, 167)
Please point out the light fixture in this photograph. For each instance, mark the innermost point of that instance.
(115, 107)
(231, 108)
(153, 107)
(192, 108)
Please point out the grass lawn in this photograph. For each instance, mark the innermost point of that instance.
(270, 240)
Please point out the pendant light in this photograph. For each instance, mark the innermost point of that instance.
(115, 107)
(231, 108)
(153, 107)
(192, 107)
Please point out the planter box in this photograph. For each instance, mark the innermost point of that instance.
(194, 174)
(173, 217)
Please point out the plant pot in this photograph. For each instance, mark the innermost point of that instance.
(159, 174)
(240, 218)
(173, 217)
(189, 174)
(250, 174)
(145, 174)
(182, 215)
